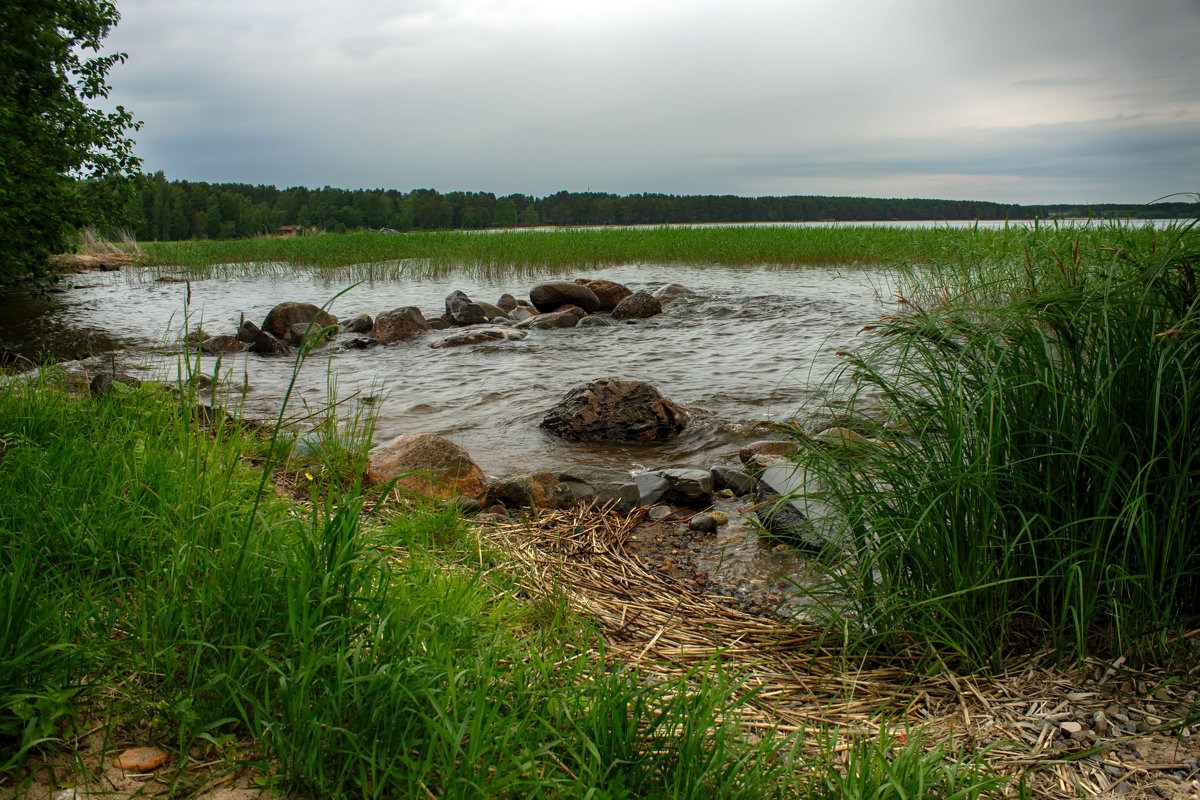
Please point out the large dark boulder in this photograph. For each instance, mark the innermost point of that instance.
(555, 294)
(461, 310)
(639, 305)
(399, 323)
(614, 410)
(609, 293)
(282, 317)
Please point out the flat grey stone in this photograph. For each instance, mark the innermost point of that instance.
(652, 488)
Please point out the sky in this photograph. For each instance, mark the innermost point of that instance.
(1025, 101)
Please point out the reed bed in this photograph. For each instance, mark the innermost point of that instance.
(376, 255)
(1025, 470)
(792, 679)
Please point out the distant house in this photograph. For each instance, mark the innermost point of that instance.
(287, 230)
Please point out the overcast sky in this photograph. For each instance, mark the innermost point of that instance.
(1029, 101)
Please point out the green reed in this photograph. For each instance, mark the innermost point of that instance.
(1031, 474)
(503, 252)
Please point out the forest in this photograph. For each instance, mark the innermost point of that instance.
(162, 210)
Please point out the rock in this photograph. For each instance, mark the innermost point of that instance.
(492, 312)
(652, 488)
(462, 311)
(572, 493)
(360, 323)
(282, 317)
(639, 305)
(658, 513)
(609, 293)
(359, 343)
(141, 759)
(689, 486)
(593, 321)
(307, 333)
(737, 481)
(480, 335)
(441, 323)
(549, 296)
(672, 291)
(786, 510)
(567, 318)
(399, 323)
(610, 486)
(102, 384)
(702, 523)
(521, 313)
(426, 464)
(614, 410)
(522, 491)
(720, 516)
(506, 303)
(1070, 727)
(467, 506)
(221, 344)
(247, 332)
(267, 345)
(767, 447)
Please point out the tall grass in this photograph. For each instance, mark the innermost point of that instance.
(1032, 472)
(383, 255)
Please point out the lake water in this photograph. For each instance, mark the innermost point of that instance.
(749, 347)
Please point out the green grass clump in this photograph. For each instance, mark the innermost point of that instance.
(151, 583)
(1032, 472)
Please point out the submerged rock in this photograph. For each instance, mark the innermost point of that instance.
(639, 305)
(550, 296)
(267, 345)
(480, 335)
(614, 410)
(360, 323)
(399, 323)
(567, 318)
(215, 345)
(282, 317)
(672, 291)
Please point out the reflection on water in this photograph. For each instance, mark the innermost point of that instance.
(749, 347)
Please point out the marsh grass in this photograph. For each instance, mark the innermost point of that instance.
(503, 253)
(1030, 474)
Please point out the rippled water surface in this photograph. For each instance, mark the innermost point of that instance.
(750, 346)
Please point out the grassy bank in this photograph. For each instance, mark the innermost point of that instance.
(509, 252)
(1027, 472)
(158, 591)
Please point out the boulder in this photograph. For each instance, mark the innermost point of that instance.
(594, 321)
(282, 317)
(506, 303)
(521, 313)
(692, 487)
(303, 332)
(492, 312)
(735, 480)
(639, 305)
(221, 344)
(609, 293)
(267, 345)
(567, 318)
(426, 464)
(652, 488)
(461, 310)
(523, 491)
(399, 323)
(607, 485)
(102, 384)
(360, 323)
(785, 510)
(672, 291)
(247, 332)
(614, 410)
(549, 296)
(480, 335)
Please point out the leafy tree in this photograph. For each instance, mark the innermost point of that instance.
(56, 150)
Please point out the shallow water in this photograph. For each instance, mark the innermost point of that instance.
(750, 347)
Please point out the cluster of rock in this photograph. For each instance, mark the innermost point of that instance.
(554, 304)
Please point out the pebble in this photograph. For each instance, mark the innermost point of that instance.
(1071, 727)
(141, 759)
(659, 512)
(703, 522)
(1122, 788)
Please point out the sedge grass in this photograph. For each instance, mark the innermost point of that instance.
(502, 253)
(1031, 474)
